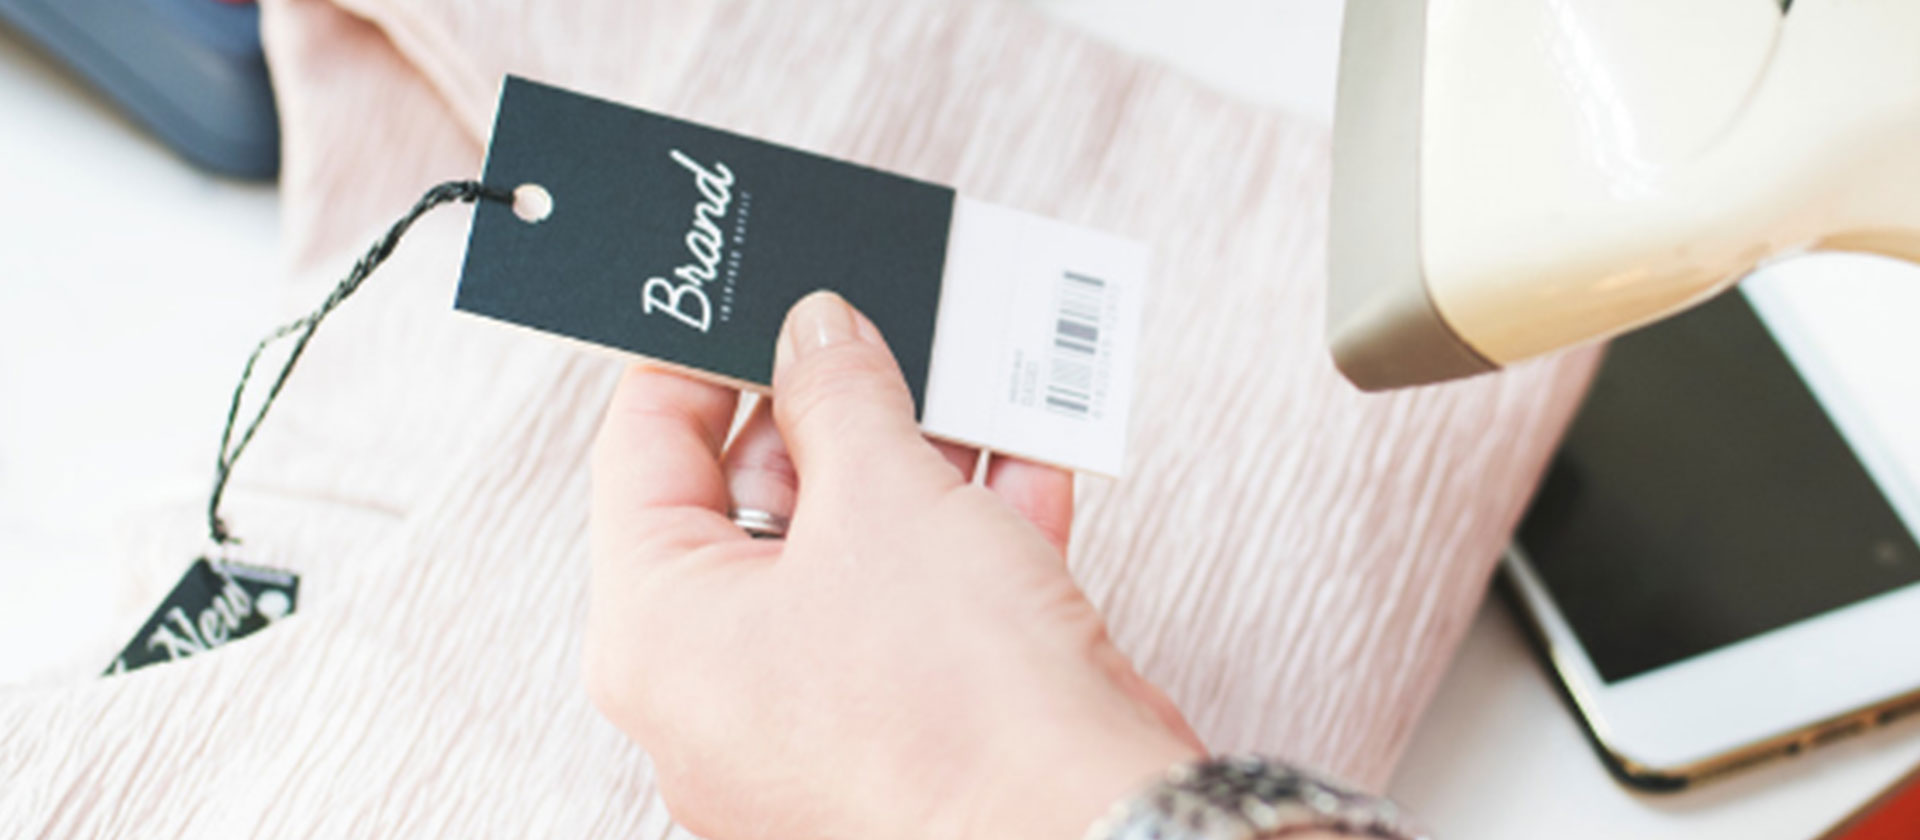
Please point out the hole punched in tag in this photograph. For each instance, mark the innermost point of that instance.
(532, 203)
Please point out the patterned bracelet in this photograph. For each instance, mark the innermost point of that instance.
(1248, 798)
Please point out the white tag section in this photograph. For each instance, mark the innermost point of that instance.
(1035, 341)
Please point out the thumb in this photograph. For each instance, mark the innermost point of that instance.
(841, 404)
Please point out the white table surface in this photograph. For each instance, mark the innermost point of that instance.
(132, 286)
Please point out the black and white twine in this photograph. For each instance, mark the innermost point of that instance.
(302, 329)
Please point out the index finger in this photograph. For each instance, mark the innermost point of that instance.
(657, 482)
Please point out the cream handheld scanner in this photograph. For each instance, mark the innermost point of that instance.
(1722, 564)
(1513, 177)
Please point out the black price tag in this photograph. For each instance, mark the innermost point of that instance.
(688, 245)
(213, 604)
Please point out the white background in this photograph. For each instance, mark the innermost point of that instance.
(131, 288)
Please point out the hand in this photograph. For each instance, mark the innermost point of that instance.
(912, 660)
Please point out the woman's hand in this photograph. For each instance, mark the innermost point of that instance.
(911, 661)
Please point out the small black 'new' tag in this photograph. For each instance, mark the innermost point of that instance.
(687, 244)
(213, 604)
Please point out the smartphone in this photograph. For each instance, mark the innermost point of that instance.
(192, 71)
(1721, 565)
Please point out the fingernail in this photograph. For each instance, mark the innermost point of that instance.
(821, 319)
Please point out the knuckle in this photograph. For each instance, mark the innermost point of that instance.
(615, 450)
(839, 378)
(772, 463)
(685, 803)
(694, 794)
(844, 363)
(697, 822)
(603, 687)
(604, 463)
(611, 676)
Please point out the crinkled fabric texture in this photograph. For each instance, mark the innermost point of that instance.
(1292, 560)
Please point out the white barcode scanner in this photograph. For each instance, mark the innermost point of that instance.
(1513, 177)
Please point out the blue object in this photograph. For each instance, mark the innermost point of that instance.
(191, 71)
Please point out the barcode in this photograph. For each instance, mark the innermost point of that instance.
(1076, 345)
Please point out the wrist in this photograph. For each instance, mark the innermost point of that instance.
(1247, 797)
(1059, 793)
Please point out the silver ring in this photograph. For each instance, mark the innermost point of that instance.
(760, 524)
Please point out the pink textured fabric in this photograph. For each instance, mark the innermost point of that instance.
(1292, 560)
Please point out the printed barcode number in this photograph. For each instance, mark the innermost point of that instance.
(1076, 345)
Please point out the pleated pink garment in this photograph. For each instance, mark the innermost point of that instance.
(1293, 561)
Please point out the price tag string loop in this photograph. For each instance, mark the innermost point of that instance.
(302, 330)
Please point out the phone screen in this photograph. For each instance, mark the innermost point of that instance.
(1733, 471)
